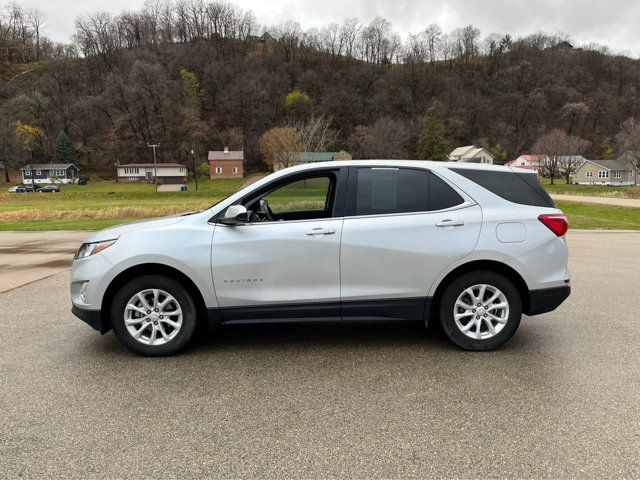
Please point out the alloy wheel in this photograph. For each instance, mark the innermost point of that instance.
(153, 317)
(481, 311)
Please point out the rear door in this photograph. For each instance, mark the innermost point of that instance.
(402, 227)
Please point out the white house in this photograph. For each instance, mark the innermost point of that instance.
(166, 173)
(471, 154)
(41, 173)
(528, 162)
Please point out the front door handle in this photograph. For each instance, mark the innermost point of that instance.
(316, 232)
(450, 223)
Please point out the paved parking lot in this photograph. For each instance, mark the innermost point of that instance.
(562, 399)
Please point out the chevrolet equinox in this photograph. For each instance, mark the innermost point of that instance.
(473, 246)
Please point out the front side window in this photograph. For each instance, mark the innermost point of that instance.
(589, 174)
(38, 172)
(27, 173)
(300, 199)
(218, 169)
(235, 170)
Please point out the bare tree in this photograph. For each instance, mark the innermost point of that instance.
(628, 143)
(280, 146)
(316, 135)
(36, 20)
(560, 152)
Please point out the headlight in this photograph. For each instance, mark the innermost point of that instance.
(88, 249)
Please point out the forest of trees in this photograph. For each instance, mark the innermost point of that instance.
(204, 74)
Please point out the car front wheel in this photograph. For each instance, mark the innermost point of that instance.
(153, 316)
(480, 311)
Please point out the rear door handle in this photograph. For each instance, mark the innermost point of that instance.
(316, 232)
(450, 223)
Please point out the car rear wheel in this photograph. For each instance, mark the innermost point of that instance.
(153, 316)
(480, 311)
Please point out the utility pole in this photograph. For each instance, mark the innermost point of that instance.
(33, 183)
(195, 169)
(155, 164)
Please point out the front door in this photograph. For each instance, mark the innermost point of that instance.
(284, 262)
(402, 228)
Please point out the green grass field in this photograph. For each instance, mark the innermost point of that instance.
(104, 203)
(561, 188)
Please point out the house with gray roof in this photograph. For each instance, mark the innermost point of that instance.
(300, 158)
(43, 173)
(605, 172)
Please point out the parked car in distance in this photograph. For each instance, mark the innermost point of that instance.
(471, 246)
(49, 189)
(82, 180)
(17, 189)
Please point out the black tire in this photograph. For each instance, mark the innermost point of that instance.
(175, 289)
(459, 285)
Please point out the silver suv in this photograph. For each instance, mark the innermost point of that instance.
(474, 246)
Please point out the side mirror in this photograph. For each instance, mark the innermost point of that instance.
(234, 215)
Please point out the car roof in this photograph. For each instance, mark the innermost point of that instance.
(429, 164)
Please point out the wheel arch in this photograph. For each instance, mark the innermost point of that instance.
(150, 269)
(478, 265)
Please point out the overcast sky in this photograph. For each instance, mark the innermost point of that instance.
(615, 24)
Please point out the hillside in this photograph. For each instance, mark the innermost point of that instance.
(205, 89)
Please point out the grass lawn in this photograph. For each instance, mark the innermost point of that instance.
(561, 188)
(600, 217)
(104, 203)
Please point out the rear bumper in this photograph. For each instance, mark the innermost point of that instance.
(546, 299)
(93, 318)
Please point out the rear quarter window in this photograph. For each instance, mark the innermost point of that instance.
(522, 188)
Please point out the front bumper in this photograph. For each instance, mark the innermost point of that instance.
(546, 299)
(93, 318)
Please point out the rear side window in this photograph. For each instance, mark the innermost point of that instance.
(390, 190)
(522, 188)
(441, 195)
(386, 190)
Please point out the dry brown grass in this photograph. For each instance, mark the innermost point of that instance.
(117, 212)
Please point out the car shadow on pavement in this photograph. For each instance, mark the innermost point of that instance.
(326, 336)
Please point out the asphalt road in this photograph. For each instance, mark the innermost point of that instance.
(561, 400)
(618, 202)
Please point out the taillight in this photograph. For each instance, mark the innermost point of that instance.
(556, 222)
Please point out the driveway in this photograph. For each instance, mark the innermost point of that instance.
(29, 256)
(561, 399)
(619, 202)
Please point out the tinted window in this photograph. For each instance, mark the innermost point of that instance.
(390, 190)
(521, 188)
(441, 195)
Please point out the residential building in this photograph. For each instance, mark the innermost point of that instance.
(528, 162)
(226, 163)
(42, 173)
(299, 158)
(604, 172)
(471, 154)
(165, 173)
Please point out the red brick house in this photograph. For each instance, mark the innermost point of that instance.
(226, 163)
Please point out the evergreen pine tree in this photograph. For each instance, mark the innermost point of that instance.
(64, 150)
(432, 142)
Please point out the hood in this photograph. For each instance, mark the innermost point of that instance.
(115, 232)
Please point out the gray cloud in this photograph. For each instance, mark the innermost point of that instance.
(614, 24)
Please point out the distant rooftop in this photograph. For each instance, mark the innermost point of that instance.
(47, 166)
